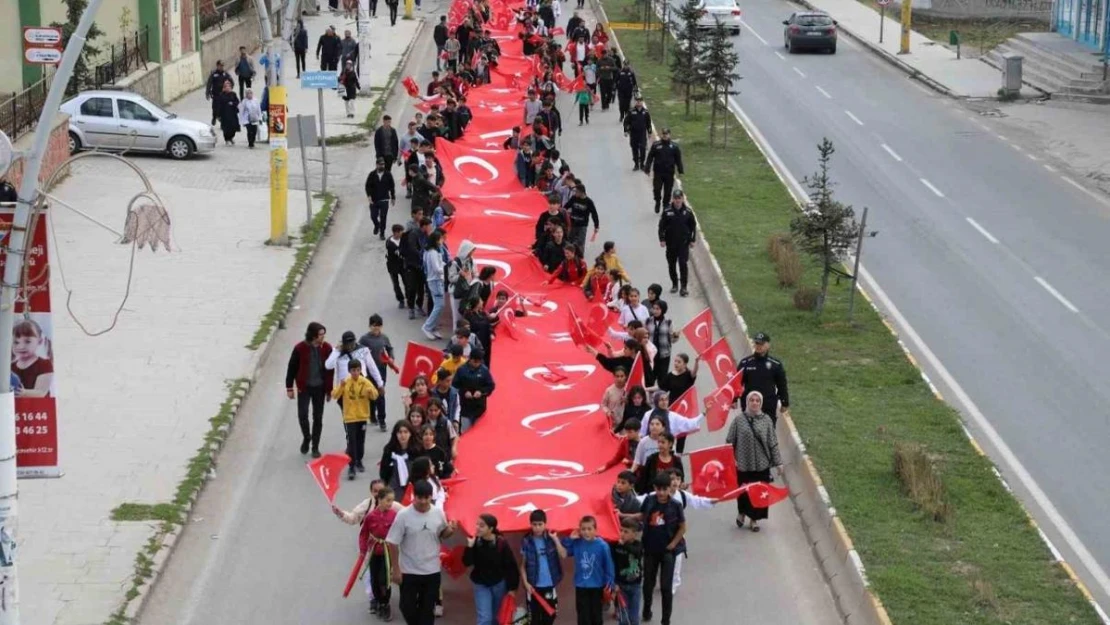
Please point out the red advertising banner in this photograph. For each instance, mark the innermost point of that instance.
(36, 415)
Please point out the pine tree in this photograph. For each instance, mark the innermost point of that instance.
(81, 72)
(717, 69)
(827, 230)
(690, 43)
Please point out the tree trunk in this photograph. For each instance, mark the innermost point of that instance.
(725, 142)
(826, 270)
(713, 117)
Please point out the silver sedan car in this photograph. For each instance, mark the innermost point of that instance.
(125, 121)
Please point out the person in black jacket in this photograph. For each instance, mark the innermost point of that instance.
(551, 117)
(300, 46)
(581, 210)
(550, 250)
(626, 86)
(425, 194)
(327, 50)
(637, 125)
(392, 4)
(395, 263)
(475, 384)
(678, 229)
(495, 571)
(439, 35)
(387, 145)
(215, 86)
(765, 374)
(624, 360)
(382, 193)
(412, 252)
(663, 158)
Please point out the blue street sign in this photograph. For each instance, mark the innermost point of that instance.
(319, 80)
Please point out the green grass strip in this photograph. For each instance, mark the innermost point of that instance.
(856, 395)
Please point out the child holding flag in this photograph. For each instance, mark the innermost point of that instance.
(371, 539)
(540, 568)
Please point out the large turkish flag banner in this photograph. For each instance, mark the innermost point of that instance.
(468, 171)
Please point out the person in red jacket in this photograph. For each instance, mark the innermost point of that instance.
(307, 375)
(371, 541)
(572, 270)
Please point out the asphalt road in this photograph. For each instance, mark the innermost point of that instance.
(264, 548)
(994, 257)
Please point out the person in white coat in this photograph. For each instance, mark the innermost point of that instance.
(348, 349)
(250, 114)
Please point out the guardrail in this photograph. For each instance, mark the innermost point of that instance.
(20, 112)
(124, 57)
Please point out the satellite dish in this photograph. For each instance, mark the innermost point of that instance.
(7, 153)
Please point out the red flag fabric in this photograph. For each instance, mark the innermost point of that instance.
(452, 560)
(557, 31)
(636, 375)
(764, 495)
(419, 360)
(508, 607)
(411, 87)
(717, 406)
(714, 472)
(699, 331)
(354, 574)
(326, 470)
(720, 361)
(508, 322)
(483, 172)
(687, 404)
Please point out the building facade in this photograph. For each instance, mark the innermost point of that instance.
(1085, 21)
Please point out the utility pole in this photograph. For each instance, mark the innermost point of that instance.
(907, 26)
(277, 117)
(15, 255)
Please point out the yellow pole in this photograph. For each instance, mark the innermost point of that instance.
(907, 26)
(408, 9)
(279, 167)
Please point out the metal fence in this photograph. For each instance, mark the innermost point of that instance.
(20, 112)
(125, 56)
(214, 13)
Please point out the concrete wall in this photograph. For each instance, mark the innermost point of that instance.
(990, 9)
(108, 19)
(11, 51)
(223, 44)
(146, 82)
(57, 151)
(181, 76)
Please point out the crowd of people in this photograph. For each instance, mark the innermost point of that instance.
(403, 523)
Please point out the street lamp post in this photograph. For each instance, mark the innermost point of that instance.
(14, 256)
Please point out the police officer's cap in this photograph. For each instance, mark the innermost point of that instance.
(761, 337)
(677, 193)
(639, 98)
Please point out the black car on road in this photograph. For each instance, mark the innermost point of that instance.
(809, 30)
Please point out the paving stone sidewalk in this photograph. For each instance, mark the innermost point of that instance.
(134, 404)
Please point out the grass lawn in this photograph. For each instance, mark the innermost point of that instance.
(855, 395)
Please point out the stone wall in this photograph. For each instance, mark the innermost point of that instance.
(181, 76)
(223, 44)
(57, 151)
(985, 9)
(146, 82)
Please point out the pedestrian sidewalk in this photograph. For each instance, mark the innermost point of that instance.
(134, 404)
(928, 61)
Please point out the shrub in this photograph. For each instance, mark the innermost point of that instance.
(776, 243)
(921, 481)
(788, 267)
(805, 298)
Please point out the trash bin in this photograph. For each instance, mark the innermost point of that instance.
(1011, 73)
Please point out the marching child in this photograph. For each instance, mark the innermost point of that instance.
(357, 394)
(540, 568)
(593, 571)
(628, 561)
(624, 497)
(371, 539)
(632, 433)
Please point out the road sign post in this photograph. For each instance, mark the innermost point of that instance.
(42, 45)
(321, 81)
(882, 17)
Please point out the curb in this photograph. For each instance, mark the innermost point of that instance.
(133, 608)
(832, 546)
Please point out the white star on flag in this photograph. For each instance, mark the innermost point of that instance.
(525, 509)
(474, 181)
(498, 109)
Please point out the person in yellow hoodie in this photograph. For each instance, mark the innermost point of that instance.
(451, 364)
(356, 392)
(609, 255)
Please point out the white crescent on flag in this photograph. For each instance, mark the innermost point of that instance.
(559, 469)
(493, 212)
(533, 372)
(581, 411)
(569, 499)
(500, 264)
(480, 162)
(431, 365)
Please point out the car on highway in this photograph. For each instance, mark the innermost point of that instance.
(809, 30)
(713, 12)
(126, 121)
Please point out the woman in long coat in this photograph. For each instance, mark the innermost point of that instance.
(756, 448)
(227, 109)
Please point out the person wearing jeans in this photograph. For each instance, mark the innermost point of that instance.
(494, 571)
(433, 272)
(414, 543)
(628, 564)
(306, 375)
(664, 526)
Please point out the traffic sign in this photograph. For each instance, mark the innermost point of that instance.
(42, 36)
(43, 56)
(883, 3)
(319, 80)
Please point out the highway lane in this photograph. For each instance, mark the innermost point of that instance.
(992, 257)
(263, 547)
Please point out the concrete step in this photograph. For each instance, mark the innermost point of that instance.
(1065, 64)
(1089, 99)
(1083, 63)
(1047, 72)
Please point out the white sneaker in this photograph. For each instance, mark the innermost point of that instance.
(439, 611)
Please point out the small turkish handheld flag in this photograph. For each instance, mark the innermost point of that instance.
(764, 495)
(687, 404)
(506, 610)
(699, 331)
(508, 321)
(419, 360)
(636, 375)
(714, 470)
(720, 361)
(354, 574)
(411, 87)
(326, 471)
(716, 408)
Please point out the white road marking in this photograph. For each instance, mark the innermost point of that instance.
(983, 231)
(1008, 458)
(752, 31)
(1003, 137)
(1032, 158)
(1050, 168)
(824, 93)
(1098, 197)
(779, 54)
(854, 118)
(1015, 146)
(983, 126)
(1063, 300)
(931, 187)
(799, 72)
(1073, 183)
(892, 153)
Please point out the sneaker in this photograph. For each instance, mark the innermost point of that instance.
(674, 289)
(646, 617)
(316, 453)
(412, 313)
(401, 305)
(683, 293)
(439, 610)
(657, 208)
(432, 336)
(361, 469)
(350, 473)
(304, 446)
(386, 612)
(374, 606)
(383, 428)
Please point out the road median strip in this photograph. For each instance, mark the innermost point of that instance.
(857, 397)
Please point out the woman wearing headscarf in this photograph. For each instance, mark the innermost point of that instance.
(227, 109)
(756, 448)
(348, 79)
(250, 114)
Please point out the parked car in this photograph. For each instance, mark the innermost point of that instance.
(715, 12)
(125, 121)
(809, 30)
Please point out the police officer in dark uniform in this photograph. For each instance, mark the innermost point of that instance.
(215, 86)
(678, 229)
(637, 124)
(666, 157)
(626, 86)
(765, 374)
(607, 78)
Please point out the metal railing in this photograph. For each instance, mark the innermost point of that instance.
(214, 13)
(20, 112)
(124, 57)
